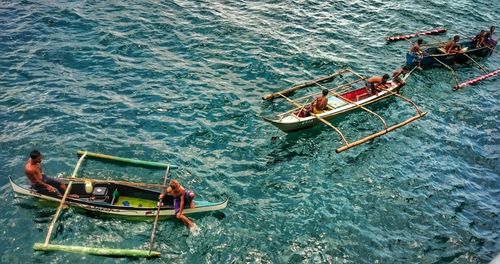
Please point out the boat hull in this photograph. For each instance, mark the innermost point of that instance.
(431, 60)
(119, 207)
(335, 114)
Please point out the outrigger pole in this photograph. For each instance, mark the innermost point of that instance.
(125, 160)
(68, 189)
(448, 67)
(86, 250)
(155, 224)
(304, 85)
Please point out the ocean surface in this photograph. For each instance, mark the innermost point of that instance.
(181, 82)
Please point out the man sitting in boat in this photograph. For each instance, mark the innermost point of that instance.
(416, 48)
(397, 76)
(182, 198)
(376, 83)
(489, 41)
(41, 182)
(453, 46)
(479, 38)
(317, 106)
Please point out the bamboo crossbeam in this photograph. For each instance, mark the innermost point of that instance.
(301, 86)
(358, 105)
(118, 252)
(320, 119)
(68, 189)
(335, 88)
(449, 68)
(125, 160)
(137, 184)
(155, 224)
(380, 133)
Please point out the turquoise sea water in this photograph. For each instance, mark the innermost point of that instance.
(182, 81)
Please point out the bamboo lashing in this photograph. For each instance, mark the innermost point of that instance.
(319, 118)
(68, 189)
(155, 225)
(300, 86)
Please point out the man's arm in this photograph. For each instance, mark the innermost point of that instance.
(183, 194)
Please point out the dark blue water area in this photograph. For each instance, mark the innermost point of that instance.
(182, 81)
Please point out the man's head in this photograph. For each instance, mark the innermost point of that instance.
(420, 41)
(36, 156)
(404, 69)
(385, 78)
(174, 184)
(325, 92)
(456, 38)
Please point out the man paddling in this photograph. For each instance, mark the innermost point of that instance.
(39, 181)
(182, 198)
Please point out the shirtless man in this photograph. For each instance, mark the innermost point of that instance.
(416, 47)
(376, 83)
(319, 104)
(39, 181)
(452, 46)
(182, 197)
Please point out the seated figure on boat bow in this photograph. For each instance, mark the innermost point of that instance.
(182, 198)
(317, 106)
(40, 182)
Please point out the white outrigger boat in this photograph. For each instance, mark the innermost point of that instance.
(342, 100)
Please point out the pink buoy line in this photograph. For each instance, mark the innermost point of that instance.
(404, 37)
(478, 79)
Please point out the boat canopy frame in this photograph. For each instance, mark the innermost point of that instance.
(336, 91)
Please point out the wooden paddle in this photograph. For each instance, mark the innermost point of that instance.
(158, 210)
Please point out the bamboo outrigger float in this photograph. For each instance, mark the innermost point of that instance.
(344, 100)
(131, 200)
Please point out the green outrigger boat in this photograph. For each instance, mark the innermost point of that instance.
(114, 198)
